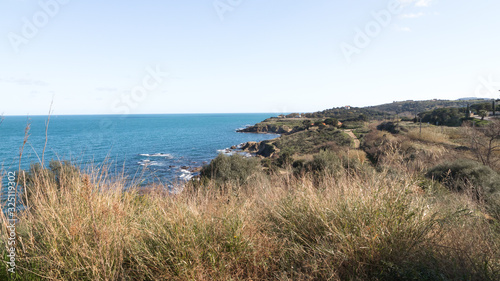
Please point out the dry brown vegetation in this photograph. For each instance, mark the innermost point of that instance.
(361, 221)
(382, 226)
(429, 134)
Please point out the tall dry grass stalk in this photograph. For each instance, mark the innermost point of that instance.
(430, 134)
(82, 226)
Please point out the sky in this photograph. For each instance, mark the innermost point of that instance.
(230, 56)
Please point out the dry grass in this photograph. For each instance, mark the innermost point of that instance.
(379, 226)
(404, 154)
(430, 135)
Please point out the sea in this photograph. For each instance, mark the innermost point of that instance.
(143, 148)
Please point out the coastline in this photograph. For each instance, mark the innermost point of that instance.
(246, 149)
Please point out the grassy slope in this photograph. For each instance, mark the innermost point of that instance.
(378, 225)
(363, 222)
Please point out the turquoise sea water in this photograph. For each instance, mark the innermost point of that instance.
(154, 147)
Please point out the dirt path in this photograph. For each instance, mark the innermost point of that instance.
(354, 138)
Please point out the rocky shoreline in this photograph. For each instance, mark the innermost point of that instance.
(263, 149)
(266, 129)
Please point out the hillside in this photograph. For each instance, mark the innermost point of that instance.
(411, 108)
(355, 200)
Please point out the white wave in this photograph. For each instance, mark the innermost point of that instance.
(243, 128)
(150, 163)
(186, 175)
(158, 155)
(230, 152)
(245, 154)
(226, 151)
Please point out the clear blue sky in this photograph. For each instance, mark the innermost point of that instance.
(96, 57)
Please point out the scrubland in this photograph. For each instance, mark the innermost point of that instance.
(387, 211)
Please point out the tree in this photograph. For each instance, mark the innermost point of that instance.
(485, 142)
(332, 122)
(481, 106)
(307, 123)
(443, 116)
(483, 113)
(319, 124)
(363, 117)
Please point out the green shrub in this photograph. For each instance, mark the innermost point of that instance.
(307, 123)
(325, 162)
(270, 165)
(443, 116)
(285, 158)
(332, 122)
(352, 124)
(464, 173)
(390, 127)
(299, 166)
(234, 169)
(363, 118)
(310, 142)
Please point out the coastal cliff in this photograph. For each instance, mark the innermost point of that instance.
(266, 129)
(263, 148)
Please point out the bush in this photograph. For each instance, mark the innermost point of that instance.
(307, 123)
(318, 122)
(390, 127)
(234, 169)
(325, 162)
(299, 166)
(443, 116)
(462, 174)
(310, 142)
(332, 122)
(363, 118)
(352, 124)
(286, 158)
(377, 144)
